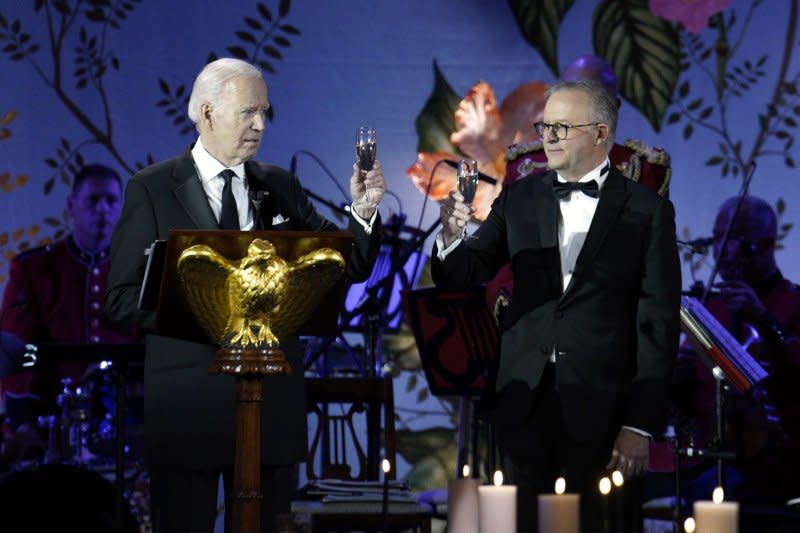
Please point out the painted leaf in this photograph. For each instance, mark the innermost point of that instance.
(437, 121)
(539, 21)
(415, 445)
(644, 51)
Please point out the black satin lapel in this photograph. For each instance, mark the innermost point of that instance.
(545, 208)
(612, 199)
(190, 194)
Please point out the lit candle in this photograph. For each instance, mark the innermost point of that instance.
(387, 467)
(605, 489)
(716, 516)
(618, 480)
(462, 503)
(497, 506)
(559, 511)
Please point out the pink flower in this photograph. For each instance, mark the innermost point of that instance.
(693, 14)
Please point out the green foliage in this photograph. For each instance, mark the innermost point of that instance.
(644, 51)
(264, 37)
(539, 22)
(175, 103)
(67, 162)
(437, 121)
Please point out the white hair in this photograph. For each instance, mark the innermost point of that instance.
(212, 80)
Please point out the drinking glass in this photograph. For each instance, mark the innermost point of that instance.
(366, 148)
(468, 179)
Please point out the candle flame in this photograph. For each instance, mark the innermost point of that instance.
(465, 471)
(718, 496)
(386, 465)
(688, 525)
(605, 486)
(561, 485)
(498, 478)
(617, 478)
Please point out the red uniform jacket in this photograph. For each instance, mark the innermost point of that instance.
(55, 295)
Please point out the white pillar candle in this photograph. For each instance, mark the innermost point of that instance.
(716, 516)
(497, 507)
(462, 504)
(559, 512)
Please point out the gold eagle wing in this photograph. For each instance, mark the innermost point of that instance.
(204, 275)
(311, 276)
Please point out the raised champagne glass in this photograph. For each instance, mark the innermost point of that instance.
(366, 148)
(468, 179)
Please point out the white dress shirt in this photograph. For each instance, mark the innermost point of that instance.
(208, 170)
(576, 213)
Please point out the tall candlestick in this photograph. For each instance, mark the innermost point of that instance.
(716, 516)
(386, 466)
(559, 512)
(619, 498)
(462, 503)
(605, 488)
(497, 507)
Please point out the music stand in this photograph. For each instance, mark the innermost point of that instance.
(374, 306)
(730, 362)
(247, 364)
(458, 344)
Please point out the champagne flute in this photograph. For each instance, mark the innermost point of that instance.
(366, 148)
(468, 179)
(467, 172)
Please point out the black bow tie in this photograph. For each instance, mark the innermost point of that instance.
(562, 189)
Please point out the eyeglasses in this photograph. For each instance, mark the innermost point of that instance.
(558, 129)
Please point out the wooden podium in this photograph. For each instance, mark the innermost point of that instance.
(248, 364)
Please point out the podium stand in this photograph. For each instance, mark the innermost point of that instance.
(247, 364)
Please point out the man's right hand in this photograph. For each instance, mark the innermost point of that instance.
(454, 214)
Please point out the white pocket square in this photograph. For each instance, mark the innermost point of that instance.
(278, 219)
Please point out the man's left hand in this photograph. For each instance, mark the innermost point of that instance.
(741, 300)
(367, 189)
(631, 453)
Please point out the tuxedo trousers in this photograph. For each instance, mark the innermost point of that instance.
(536, 449)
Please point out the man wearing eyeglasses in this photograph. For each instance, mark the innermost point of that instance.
(586, 359)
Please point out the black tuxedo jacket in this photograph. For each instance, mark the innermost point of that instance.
(615, 327)
(189, 415)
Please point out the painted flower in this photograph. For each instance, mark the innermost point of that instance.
(483, 132)
(693, 14)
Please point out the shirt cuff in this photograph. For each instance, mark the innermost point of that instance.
(441, 251)
(366, 224)
(639, 431)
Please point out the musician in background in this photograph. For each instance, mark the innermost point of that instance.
(55, 295)
(756, 304)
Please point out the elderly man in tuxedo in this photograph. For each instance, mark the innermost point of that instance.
(189, 415)
(586, 360)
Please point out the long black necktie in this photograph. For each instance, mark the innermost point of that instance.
(229, 215)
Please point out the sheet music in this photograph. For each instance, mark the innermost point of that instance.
(709, 333)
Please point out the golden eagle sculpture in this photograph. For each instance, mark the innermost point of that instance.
(259, 299)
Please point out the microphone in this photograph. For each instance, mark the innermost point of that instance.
(256, 198)
(698, 243)
(481, 176)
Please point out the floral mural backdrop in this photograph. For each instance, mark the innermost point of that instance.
(712, 82)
